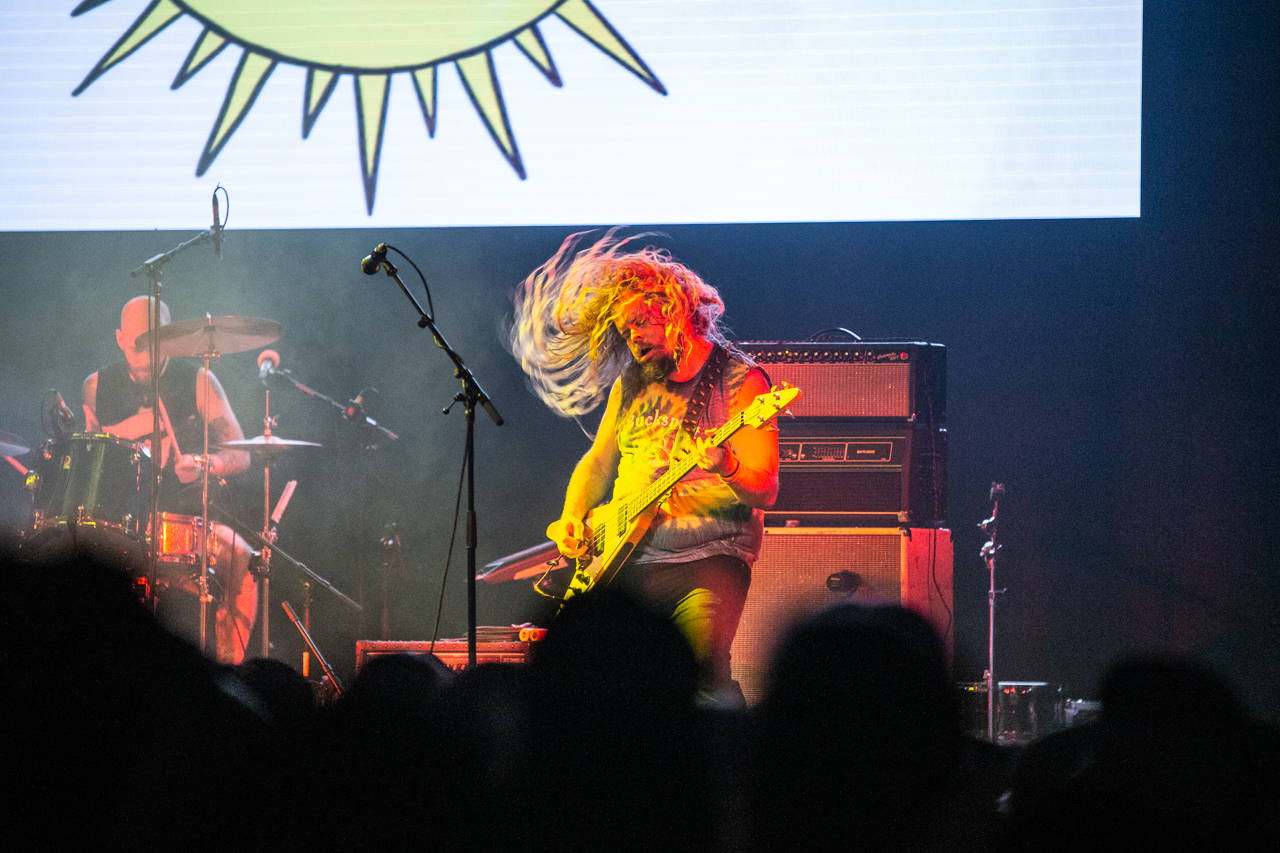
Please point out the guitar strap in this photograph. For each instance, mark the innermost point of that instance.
(698, 400)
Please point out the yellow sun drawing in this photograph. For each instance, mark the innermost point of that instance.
(370, 42)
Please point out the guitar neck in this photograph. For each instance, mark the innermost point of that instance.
(659, 487)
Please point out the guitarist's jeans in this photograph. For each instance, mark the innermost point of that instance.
(705, 599)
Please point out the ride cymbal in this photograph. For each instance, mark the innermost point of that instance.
(212, 336)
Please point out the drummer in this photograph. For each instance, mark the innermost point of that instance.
(117, 401)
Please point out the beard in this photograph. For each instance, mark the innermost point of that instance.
(658, 369)
(640, 374)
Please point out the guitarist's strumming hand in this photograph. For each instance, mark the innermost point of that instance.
(720, 461)
(569, 534)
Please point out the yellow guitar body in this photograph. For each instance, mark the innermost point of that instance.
(616, 528)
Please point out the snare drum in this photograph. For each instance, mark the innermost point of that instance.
(180, 539)
(91, 481)
(178, 552)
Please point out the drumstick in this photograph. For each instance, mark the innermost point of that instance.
(168, 435)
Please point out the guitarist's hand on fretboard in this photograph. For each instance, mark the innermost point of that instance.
(710, 457)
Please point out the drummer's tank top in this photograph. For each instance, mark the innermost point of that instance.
(119, 397)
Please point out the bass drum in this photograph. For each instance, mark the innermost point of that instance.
(96, 489)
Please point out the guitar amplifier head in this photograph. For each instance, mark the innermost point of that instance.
(863, 379)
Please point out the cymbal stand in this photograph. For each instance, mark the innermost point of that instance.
(153, 269)
(306, 623)
(370, 433)
(470, 395)
(207, 355)
(268, 530)
(989, 551)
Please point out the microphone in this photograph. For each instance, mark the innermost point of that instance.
(63, 418)
(63, 410)
(372, 262)
(268, 361)
(216, 230)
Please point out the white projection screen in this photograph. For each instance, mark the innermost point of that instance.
(407, 113)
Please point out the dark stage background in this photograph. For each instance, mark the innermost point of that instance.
(1116, 375)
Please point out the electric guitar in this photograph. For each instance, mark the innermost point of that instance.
(614, 529)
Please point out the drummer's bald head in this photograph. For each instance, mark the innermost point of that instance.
(137, 311)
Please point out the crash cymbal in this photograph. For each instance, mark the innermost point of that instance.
(11, 445)
(267, 444)
(212, 335)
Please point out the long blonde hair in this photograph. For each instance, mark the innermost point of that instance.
(566, 312)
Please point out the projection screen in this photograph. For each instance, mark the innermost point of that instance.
(125, 114)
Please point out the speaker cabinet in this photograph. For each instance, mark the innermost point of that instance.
(894, 380)
(907, 566)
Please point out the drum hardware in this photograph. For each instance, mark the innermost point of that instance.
(206, 339)
(228, 334)
(257, 540)
(268, 446)
(371, 432)
(11, 445)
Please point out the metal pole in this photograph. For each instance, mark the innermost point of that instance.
(989, 551)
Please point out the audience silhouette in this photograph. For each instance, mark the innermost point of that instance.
(126, 735)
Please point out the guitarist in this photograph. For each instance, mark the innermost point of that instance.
(633, 324)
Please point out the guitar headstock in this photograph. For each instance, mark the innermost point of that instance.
(768, 405)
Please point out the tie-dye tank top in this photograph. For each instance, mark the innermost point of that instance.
(703, 517)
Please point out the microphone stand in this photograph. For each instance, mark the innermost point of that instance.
(369, 432)
(364, 420)
(989, 551)
(258, 540)
(153, 269)
(469, 396)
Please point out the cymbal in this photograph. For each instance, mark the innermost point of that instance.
(212, 335)
(267, 444)
(11, 445)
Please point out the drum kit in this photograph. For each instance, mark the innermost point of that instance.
(96, 488)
